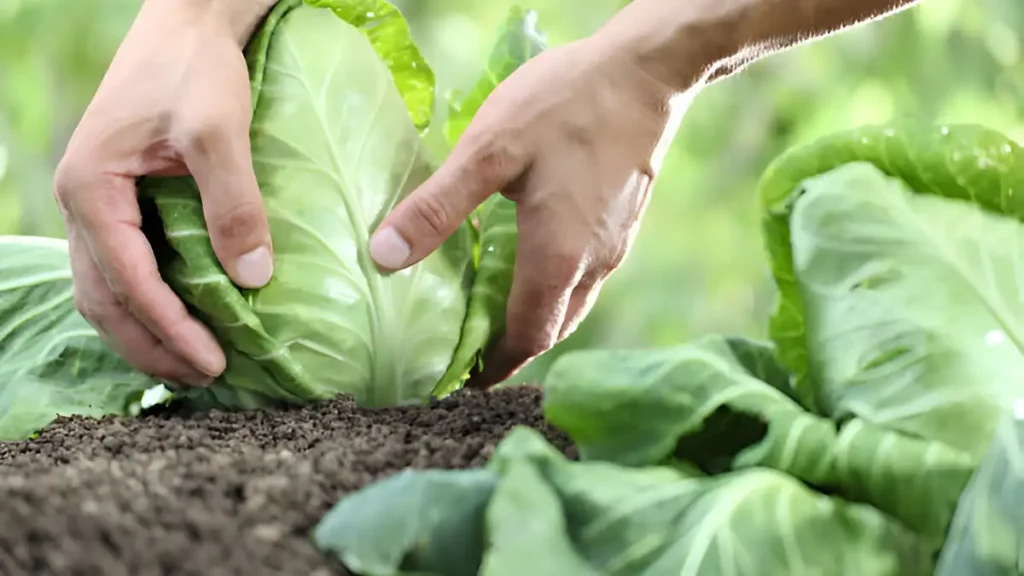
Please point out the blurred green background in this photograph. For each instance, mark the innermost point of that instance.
(698, 265)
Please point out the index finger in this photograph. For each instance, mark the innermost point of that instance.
(112, 226)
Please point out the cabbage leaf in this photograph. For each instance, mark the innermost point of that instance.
(52, 362)
(548, 516)
(700, 404)
(986, 537)
(897, 253)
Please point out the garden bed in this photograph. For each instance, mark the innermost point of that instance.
(224, 493)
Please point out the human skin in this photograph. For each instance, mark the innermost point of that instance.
(575, 137)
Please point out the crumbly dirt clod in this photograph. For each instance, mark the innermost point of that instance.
(224, 493)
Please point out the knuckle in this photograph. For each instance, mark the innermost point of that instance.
(119, 290)
(615, 258)
(242, 222)
(129, 291)
(168, 319)
(486, 153)
(206, 135)
(614, 263)
(96, 313)
(432, 213)
(603, 268)
(84, 305)
(591, 279)
(608, 259)
(564, 268)
(67, 179)
(578, 132)
(489, 153)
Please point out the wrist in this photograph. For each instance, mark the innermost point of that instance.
(677, 43)
(242, 16)
(238, 18)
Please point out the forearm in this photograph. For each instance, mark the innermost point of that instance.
(681, 42)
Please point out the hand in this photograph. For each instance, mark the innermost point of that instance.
(174, 101)
(574, 138)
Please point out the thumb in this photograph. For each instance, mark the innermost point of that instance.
(428, 216)
(221, 163)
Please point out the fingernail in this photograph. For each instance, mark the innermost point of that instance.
(254, 269)
(388, 249)
(198, 380)
(210, 362)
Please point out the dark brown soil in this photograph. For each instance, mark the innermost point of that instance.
(224, 493)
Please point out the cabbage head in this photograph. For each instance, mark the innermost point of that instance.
(342, 103)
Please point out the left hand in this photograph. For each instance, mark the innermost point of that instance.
(174, 101)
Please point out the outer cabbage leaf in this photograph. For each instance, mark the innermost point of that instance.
(657, 520)
(897, 252)
(549, 516)
(759, 359)
(52, 362)
(334, 149)
(632, 406)
(389, 34)
(518, 41)
(704, 404)
(431, 521)
(488, 297)
(987, 535)
(528, 529)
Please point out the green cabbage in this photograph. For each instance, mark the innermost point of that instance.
(342, 123)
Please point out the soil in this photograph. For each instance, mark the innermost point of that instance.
(221, 493)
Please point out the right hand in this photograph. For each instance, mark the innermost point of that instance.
(174, 101)
(574, 137)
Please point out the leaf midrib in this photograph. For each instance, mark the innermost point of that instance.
(376, 309)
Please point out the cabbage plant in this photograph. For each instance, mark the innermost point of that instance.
(342, 130)
(878, 432)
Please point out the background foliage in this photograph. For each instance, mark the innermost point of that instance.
(698, 265)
